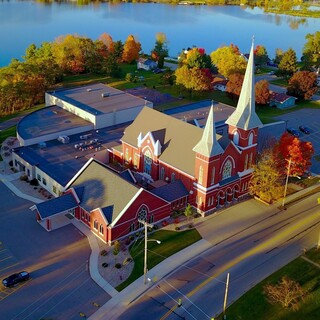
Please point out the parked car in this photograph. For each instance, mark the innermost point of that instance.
(271, 72)
(304, 129)
(294, 132)
(16, 278)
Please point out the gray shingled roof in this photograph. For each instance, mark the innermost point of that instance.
(57, 205)
(103, 188)
(171, 191)
(177, 137)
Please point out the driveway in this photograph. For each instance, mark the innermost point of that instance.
(60, 287)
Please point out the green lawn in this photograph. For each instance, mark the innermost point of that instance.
(10, 132)
(171, 242)
(254, 306)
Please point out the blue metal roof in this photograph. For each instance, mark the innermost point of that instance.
(108, 213)
(171, 191)
(57, 205)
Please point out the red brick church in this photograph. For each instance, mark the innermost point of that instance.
(168, 163)
(214, 168)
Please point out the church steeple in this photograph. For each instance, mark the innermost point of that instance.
(245, 117)
(208, 145)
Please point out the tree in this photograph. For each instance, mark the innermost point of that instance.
(266, 180)
(197, 58)
(260, 55)
(160, 50)
(278, 56)
(302, 85)
(299, 153)
(188, 212)
(228, 61)
(287, 292)
(262, 92)
(311, 50)
(234, 84)
(194, 79)
(107, 40)
(131, 49)
(288, 64)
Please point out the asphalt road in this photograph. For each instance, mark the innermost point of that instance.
(249, 256)
(60, 287)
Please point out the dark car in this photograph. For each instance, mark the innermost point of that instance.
(16, 278)
(304, 129)
(294, 132)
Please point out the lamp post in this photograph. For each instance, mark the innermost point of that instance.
(145, 269)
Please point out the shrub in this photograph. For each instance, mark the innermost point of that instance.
(116, 247)
(155, 227)
(24, 177)
(34, 182)
(10, 163)
(118, 265)
(103, 252)
(177, 228)
(127, 261)
(104, 265)
(129, 77)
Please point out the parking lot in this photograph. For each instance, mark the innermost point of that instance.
(311, 119)
(60, 287)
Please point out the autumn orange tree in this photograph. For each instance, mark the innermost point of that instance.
(302, 85)
(262, 92)
(234, 84)
(131, 49)
(299, 153)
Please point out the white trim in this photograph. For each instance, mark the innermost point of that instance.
(79, 173)
(74, 193)
(248, 147)
(200, 187)
(245, 172)
(126, 207)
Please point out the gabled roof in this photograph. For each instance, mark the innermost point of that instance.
(177, 137)
(208, 146)
(55, 206)
(171, 191)
(280, 97)
(103, 188)
(245, 117)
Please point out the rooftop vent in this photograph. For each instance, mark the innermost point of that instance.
(105, 94)
(89, 89)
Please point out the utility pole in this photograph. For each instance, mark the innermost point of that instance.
(226, 296)
(286, 185)
(146, 225)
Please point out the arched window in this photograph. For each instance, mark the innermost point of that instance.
(162, 172)
(95, 224)
(173, 177)
(250, 139)
(236, 138)
(147, 162)
(200, 174)
(127, 155)
(142, 214)
(213, 172)
(227, 169)
(136, 160)
(101, 229)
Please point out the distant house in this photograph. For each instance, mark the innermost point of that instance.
(281, 100)
(146, 64)
(220, 84)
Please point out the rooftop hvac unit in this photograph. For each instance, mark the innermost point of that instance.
(89, 90)
(105, 94)
(64, 139)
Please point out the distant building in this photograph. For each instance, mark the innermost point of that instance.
(146, 64)
(281, 100)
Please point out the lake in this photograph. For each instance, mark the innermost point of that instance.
(209, 27)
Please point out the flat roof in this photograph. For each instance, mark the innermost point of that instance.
(48, 120)
(98, 99)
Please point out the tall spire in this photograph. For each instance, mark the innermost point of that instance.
(244, 116)
(208, 145)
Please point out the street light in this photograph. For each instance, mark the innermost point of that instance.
(145, 269)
